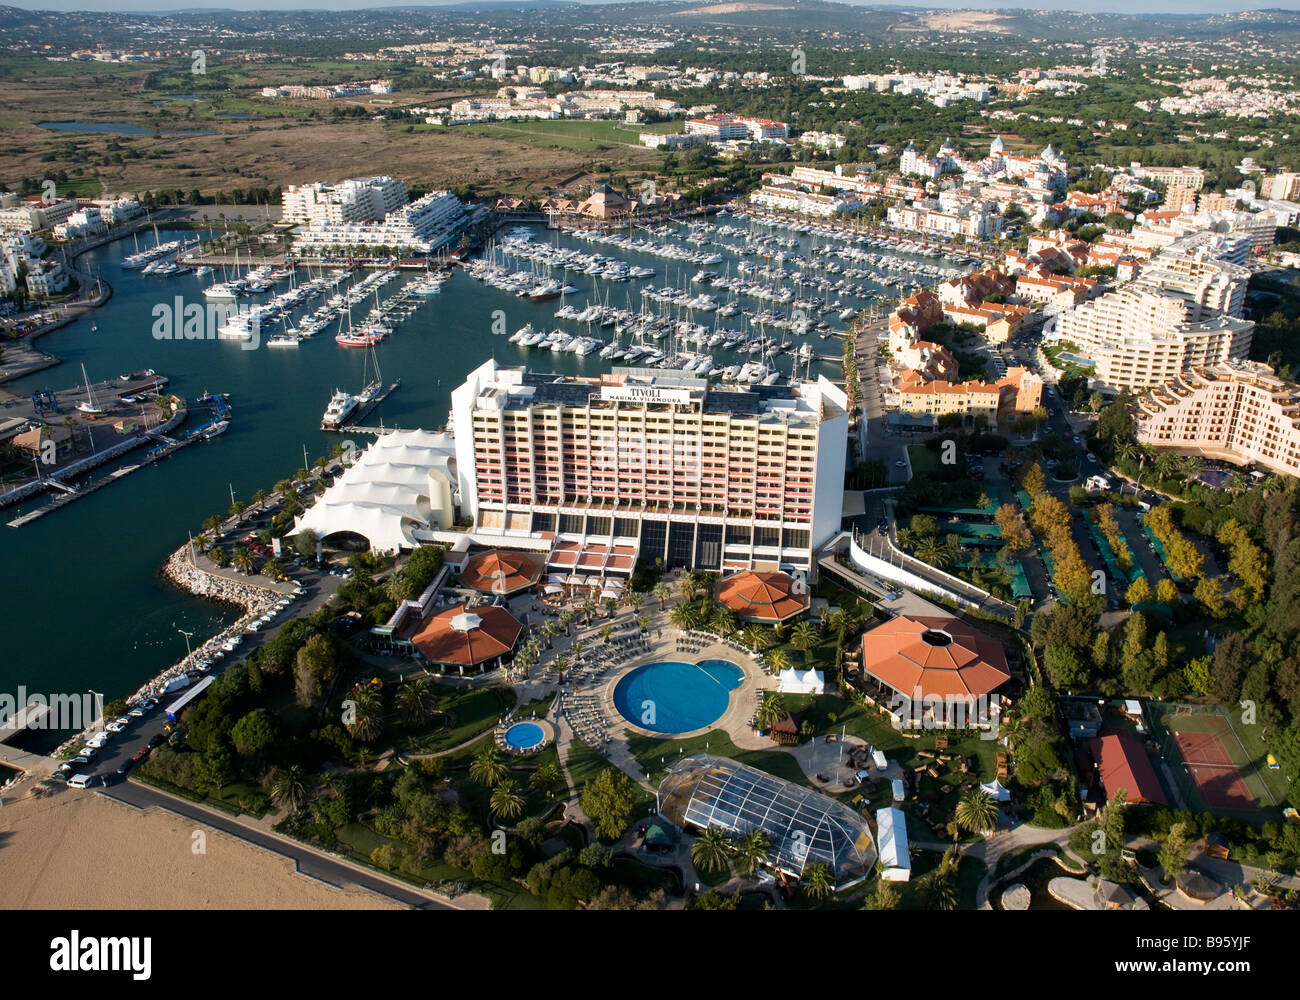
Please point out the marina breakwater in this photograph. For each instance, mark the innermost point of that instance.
(181, 571)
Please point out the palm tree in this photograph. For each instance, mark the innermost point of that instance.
(906, 539)
(778, 660)
(688, 587)
(416, 701)
(1191, 466)
(488, 767)
(566, 620)
(289, 788)
(711, 850)
(932, 552)
(367, 715)
(724, 622)
(804, 636)
(938, 888)
(635, 599)
(976, 812)
(611, 607)
(507, 801)
(771, 709)
(643, 621)
(1166, 465)
(1236, 483)
(753, 850)
(560, 664)
(243, 559)
(546, 778)
(755, 636)
(577, 649)
(550, 629)
(588, 609)
(684, 617)
(817, 881)
(606, 631)
(662, 592)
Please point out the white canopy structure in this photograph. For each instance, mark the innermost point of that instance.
(795, 681)
(996, 792)
(399, 484)
(891, 839)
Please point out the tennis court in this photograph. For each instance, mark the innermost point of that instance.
(1209, 760)
(1217, 780)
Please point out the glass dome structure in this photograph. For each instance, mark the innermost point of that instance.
(804, 827)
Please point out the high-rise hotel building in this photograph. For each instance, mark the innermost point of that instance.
(654, 462)
(1238, 413)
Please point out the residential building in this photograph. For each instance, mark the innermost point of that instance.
(358, 199)
(1238, 412)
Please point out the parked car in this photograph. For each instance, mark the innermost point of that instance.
(156, 740)
(115, 727)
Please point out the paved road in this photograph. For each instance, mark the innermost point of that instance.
(307, 860)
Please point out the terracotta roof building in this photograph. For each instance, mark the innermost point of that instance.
(500, 572)
(461, 638)
(762, 597)
(940, 662)
(1122, 762)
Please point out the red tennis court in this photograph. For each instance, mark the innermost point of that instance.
(1202, 748)
(1210, 766)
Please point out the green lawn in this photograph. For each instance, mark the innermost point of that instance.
(658, 756)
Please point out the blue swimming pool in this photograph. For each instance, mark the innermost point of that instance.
(674, 697)
(524, 735)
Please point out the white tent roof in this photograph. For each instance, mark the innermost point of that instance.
(891, 838)
(466, 621)
(384, 495)
(996, 791)
(797, 681)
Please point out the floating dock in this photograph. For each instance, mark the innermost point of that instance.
(362, 410)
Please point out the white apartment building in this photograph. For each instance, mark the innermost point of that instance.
(721, 127)
(972, 221)
(358, 199)
(1239, 412)
(791, 197)
(420, 227)
(1142, 338)
(651, 464)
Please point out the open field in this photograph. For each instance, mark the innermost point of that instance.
(283, 143)
(78, 849)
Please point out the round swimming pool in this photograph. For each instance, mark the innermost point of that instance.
(525, 736)
(675, 697)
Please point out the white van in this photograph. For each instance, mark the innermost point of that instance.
(81, 780)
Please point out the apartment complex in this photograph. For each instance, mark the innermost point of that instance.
(1236, 412)
(357, 199)
(654, 463)
(920, 403)
(420, 227)
(1183, 310)
(721, 127)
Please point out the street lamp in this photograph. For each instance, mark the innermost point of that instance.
(189, 656)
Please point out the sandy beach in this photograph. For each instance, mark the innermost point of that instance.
(78, 849)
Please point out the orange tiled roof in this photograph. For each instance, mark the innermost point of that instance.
(444, 638)
(756, 596)
(940, 656)
(499, 572)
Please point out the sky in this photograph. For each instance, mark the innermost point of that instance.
(1119, 6)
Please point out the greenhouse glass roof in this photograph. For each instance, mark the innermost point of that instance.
(803, 826)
